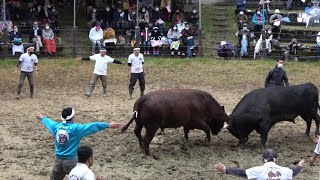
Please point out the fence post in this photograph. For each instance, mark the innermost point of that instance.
(200, 42)
(264, 45)
(74, 41)
(138, 37)
(5, 43)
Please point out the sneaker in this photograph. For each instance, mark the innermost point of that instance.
(87, 94)
(145, 52)
(148, 52)
(183, 54)
(172, 53)
(193, 54)
(179, 53)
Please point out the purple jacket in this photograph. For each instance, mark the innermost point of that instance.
(228, 47)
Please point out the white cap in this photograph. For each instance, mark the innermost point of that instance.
(136, 49)
(223, 43)
(30, 48)
(277, 11)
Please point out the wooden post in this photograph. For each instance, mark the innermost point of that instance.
(264, 45)
(138, 37)
(5, 42)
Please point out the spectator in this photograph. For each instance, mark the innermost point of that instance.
(258, 21)
(144, 18)
(67, 137)
(121, 20)
(110, 40)
(244, 40)
(95, 36)
(266, 4)
(187, 41)
(155, 40)
(40, 12)
(93, 17)
(174, 40)
(100, 70)
(193, 19)
(277, 76)
(241, 19)
(258, 45)
(177, 17)
(35, 36)
(157, 18)
(32, 16)
(241, 6)
(49, 40)
(132, 19)
(146, 40)
(147, 3)
(90, 4)
(53, 17)
(85, 161)
(107, 17)
(318, 44)
(225, 50)
(16, 40)
(275, 21)
(269, 170)
(292, 49)
(165, 6)
(27, 61)
(292, 3)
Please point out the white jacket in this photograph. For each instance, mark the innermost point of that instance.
(95, 35)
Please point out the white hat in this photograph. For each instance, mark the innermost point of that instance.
(277, 11)
(30, 48)
(136, 49)
(318, 33)
(103, 49)
(223, 43)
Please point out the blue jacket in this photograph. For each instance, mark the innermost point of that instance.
(255, 19)
(67, 136)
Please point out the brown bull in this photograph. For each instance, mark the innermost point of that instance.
(191, 109)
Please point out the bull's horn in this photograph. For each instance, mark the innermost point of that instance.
(225, 125)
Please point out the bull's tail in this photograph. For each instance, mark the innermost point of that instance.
(134, 116)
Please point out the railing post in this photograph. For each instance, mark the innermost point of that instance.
(138, 37)
(264, 45)
(5, 42)
(74, 41)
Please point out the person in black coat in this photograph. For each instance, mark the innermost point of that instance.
(277, 76)
(35, 36)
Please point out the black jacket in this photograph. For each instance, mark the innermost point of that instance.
(39, 33)
(276, 77)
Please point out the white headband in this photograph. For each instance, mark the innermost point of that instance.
(64, 120)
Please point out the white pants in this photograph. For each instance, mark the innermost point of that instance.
(258, 47)
(38, 43)
(17, 48)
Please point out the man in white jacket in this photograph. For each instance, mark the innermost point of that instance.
(85, 161)
(95, 36)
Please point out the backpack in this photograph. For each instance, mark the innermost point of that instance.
(17, 41)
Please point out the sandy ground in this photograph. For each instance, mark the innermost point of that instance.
(27, 150)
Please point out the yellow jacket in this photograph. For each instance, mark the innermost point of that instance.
(109, 33)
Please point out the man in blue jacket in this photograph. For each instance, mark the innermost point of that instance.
(67, 136)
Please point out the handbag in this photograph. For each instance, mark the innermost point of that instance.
(17, 41)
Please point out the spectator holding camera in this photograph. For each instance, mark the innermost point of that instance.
(225, 50)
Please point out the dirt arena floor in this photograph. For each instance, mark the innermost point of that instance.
(27, 151)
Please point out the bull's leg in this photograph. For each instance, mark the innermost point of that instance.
(137, 131)
(186, 131)
(150, 132)
(203, 126)
(264, 135)
(308, 120)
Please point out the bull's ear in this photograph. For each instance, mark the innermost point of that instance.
(223, 108)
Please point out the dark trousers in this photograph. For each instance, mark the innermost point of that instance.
(276, 31)
(62, 167)
(133, 80)
(94, 80)
(23, 76)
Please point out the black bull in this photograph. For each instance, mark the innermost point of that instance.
(191, 109)
(262, 108)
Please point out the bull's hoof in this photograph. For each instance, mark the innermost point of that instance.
(243, 141)
(307, 134)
